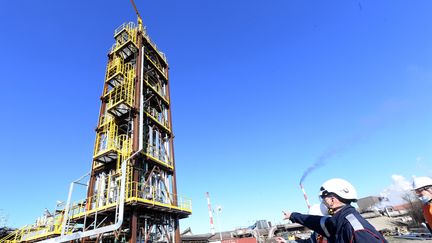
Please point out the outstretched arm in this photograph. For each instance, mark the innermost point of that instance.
(319, 224)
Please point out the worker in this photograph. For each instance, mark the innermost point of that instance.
(423, 189)
(345, 223)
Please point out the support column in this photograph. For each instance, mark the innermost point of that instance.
(134, 226)
(177, 238)
(174, 182)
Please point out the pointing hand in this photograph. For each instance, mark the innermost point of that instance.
(286, 215)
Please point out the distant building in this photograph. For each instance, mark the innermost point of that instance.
(261, 231)
(367, 204)
(200, 238)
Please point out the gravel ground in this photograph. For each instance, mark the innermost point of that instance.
(396, 240)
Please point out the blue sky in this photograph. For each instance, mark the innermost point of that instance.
(259, 90)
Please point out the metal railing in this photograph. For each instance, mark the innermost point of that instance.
(149, 40)
(151, 195)
(160, 117)
(157, 65)
(31, 232)
(123, 34)
(157, 88)
(116, 67)
(159, 154)
(134, 192)
(108, 139)
(123, 93)
(105, 120)
(124, 26)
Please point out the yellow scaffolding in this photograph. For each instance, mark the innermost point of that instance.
(105, 120)
(109, 144)
(147, 194)
(133, 195)
(116, 71)
(113, 145)
(135, 192)
(121, 98)
(126, 40)
(30, 233)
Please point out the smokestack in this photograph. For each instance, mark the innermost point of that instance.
(212, 228)
(305, 196)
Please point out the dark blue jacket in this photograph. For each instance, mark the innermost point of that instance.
(347, 225)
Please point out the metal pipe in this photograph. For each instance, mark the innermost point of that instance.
(218, 209)
(66, 212)
(141, 112)
(102, 230)
(212, 228)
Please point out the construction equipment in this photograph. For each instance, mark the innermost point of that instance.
(139, 19)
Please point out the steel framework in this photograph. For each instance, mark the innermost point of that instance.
(132, 192)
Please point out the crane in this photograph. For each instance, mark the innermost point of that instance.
(140, 24)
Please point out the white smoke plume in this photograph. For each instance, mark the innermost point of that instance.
(394, 193)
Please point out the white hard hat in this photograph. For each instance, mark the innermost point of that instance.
(419, 182)
(340, 187)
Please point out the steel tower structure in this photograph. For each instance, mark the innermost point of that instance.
(132, 192)
(135, 118)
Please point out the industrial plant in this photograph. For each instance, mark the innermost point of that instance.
(132, 192)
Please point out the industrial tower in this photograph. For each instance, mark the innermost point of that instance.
(132, 193)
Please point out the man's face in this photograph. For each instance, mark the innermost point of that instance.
(424, 191)
(328, 200)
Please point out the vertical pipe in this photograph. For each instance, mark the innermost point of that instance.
(171, 142)
(141, 108)
(218, 208)
(137, 102)
(137, 129)
(134, 228)
(145, 231)
(66, 212)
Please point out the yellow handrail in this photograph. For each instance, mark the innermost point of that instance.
(117, 70)
(124, 34)
(149, 194)
(122, 94)
(105, 120)
(107, 139)
(158, 67)
(160, 117)
(33, 232)
(134, 192)
(114, 67)
(157, 88)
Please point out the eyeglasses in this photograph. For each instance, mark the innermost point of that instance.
(324, 194)
(419, 190)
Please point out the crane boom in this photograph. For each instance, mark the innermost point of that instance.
(136, 10)
(140, 25)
